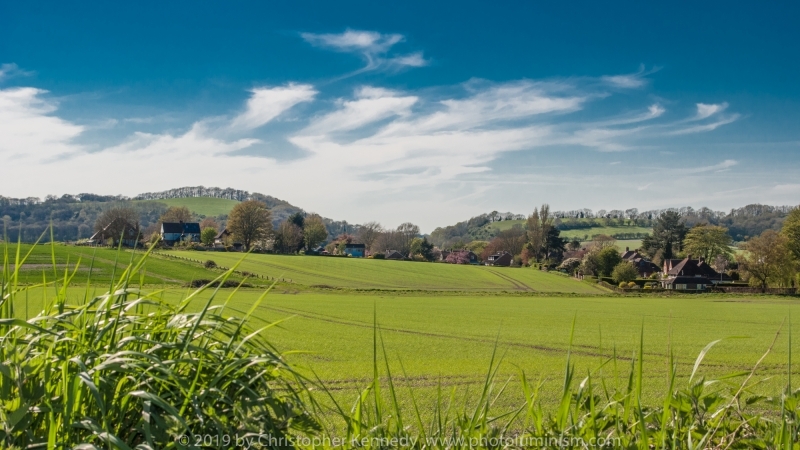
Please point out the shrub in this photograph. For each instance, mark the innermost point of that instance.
(623, 285)
(210, 264)
(624, 272)
(378, 256)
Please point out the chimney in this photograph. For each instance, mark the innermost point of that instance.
(627, 249)
(689, 256)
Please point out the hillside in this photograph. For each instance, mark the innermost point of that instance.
(582, 234)
(201, 206)
(357, 273)
(73, 216)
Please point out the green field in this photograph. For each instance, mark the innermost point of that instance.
(202, 206)
(447, 334)
(101, 263)
(449, 339)
(576, 233)
(359, 273)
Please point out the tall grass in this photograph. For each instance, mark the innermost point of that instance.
(126, 369)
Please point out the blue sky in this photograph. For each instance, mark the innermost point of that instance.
(420, 112)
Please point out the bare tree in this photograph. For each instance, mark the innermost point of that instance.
(176, 214)
(288, 237)
(368, 234)
(512, 240)
(388, 240)
(249, 222)
(209, 222)
(118, 222)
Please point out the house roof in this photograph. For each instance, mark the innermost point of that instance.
(130, 232)
(394, 254)
(222, 234)
(692, 267)
(181, 227)
(631, 255)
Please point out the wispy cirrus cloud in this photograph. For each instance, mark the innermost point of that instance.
(721, 167)
(634, 80)
(705, 111)
(10, 70)
(267, 103)
(373, 47)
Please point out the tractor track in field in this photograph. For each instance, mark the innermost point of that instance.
(114, 264)
(312, 274)
(583, 350)
(331, 319)
(518, 285)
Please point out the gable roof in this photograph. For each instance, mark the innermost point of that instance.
(394, 254)
(222, 234)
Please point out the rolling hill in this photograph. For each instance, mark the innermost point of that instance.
(358, 273)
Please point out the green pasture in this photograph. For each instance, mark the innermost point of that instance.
(361, 273)
(449, 339)
(98, 264)
(203, 206)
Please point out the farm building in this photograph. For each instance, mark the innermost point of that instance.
(394, 254)
(500, 259)
(131, 235)
(355, 250)
(173, 232)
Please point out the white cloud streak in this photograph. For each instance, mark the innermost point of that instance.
(265, 104)
(371, 45)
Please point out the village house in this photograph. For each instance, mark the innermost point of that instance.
(221, 238)
(131, 234)
(355, 250)
(174, 232)
(500, 259)
(691, 274)
(644, 266)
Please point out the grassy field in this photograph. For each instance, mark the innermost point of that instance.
(452, 337)
(449, 339)
(358, 273)
(203, 206)
(101, 263)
